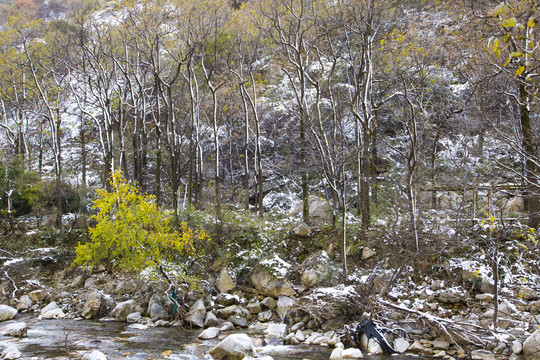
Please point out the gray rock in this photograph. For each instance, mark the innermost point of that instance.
(527, 293)
(488, 286)
(156, 311)
(318, 269)
(92, 306)
(38, 295)
(298, 326)
(227, 299)
(275, 333)
(337, 354)
(210, 333)
(18, 329)
(268, 303)
(196, 315)
(227, 326)
(7, 312)
(531, 346)
(126, 287)
(123, 309)
(234, 310)
(133, 317)
(302, 230)
(265, 315)
(94, 355)
(225, 282)
(319, 209)
(25, 303)
(234, 347)
(78, 282)
(267, 284)
(284, 304)
(238, 320)
(10, 353)
(91, 282)
(482, 355)
(368, 253)
(211, 320)
(517, 347)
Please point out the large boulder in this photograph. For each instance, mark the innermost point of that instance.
(225, 282)
(302, 230)
(126, 287)
(97, 305)
(515, 204)
(275, 333)
(7, 312)
(38, 295)
(267, 284)
(24, 303)
(234, 347)
(197, 314)
(18, 329)
(318, 269)
(319, 209)
(531, 346)
(52, 311)
(123, 309)
(284, 304)
(10, 353)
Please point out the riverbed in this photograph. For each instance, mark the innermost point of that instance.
(51, 339)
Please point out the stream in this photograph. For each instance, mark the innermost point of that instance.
(49, 339)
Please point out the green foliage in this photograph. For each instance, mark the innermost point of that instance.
(132, 233)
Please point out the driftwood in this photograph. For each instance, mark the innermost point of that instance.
(456, 332)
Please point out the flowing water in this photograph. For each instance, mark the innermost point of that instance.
(49, 339)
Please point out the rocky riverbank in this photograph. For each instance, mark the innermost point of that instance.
(429, 319)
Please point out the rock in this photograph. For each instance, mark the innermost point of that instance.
(515, 204)
(401, 345)
(517, 347)
(10, 353)
(7, 312)
(52, 311)
(302, 230)
(441, 344)
(527, 293)
(531, 346)
(226, 326)
(337, 354)
(416, 347)
(210, 333)
(94, 355)
(450, 297)
(254, 307)
(38, 295)
(196, 315)
(126, 287)
(470, 276)
(284, 303)
(92, 306)
(267, 284)
(275, 333)
(211, 320)
(78, 282)
(318, 269)
(123, 309)
(368, 253)
(373, 347)
(482, 355)
(225, 282)
(238, 320)
(334, 323)
(133, 317)
(298, 326)
(18, 329)
(25, 303)
(484, 297)
(352, 353)
(234, 310)
(488, 286)
(156, 311)
(319, 209)
(265, 315)
(234, 347)
(268, 303)
(227, 299)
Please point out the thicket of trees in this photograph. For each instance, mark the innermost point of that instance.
(187, 96)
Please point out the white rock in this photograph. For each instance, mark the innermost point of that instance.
(482, 355)
(284, 304)
(133, 317)
(352, 353)
(416, 347)
(337, 354)
(517, 347)
(210, 333)
(302, 230)
(123, 309)
(401, 345)
(235, 346)
(24, 303)
(11, 353)
(138, 326)
(373, 347)
(531, 346)
(17, 329)
(7, 312)
(275, 332)
(94, 355)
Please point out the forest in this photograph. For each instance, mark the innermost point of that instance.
(385, 109)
